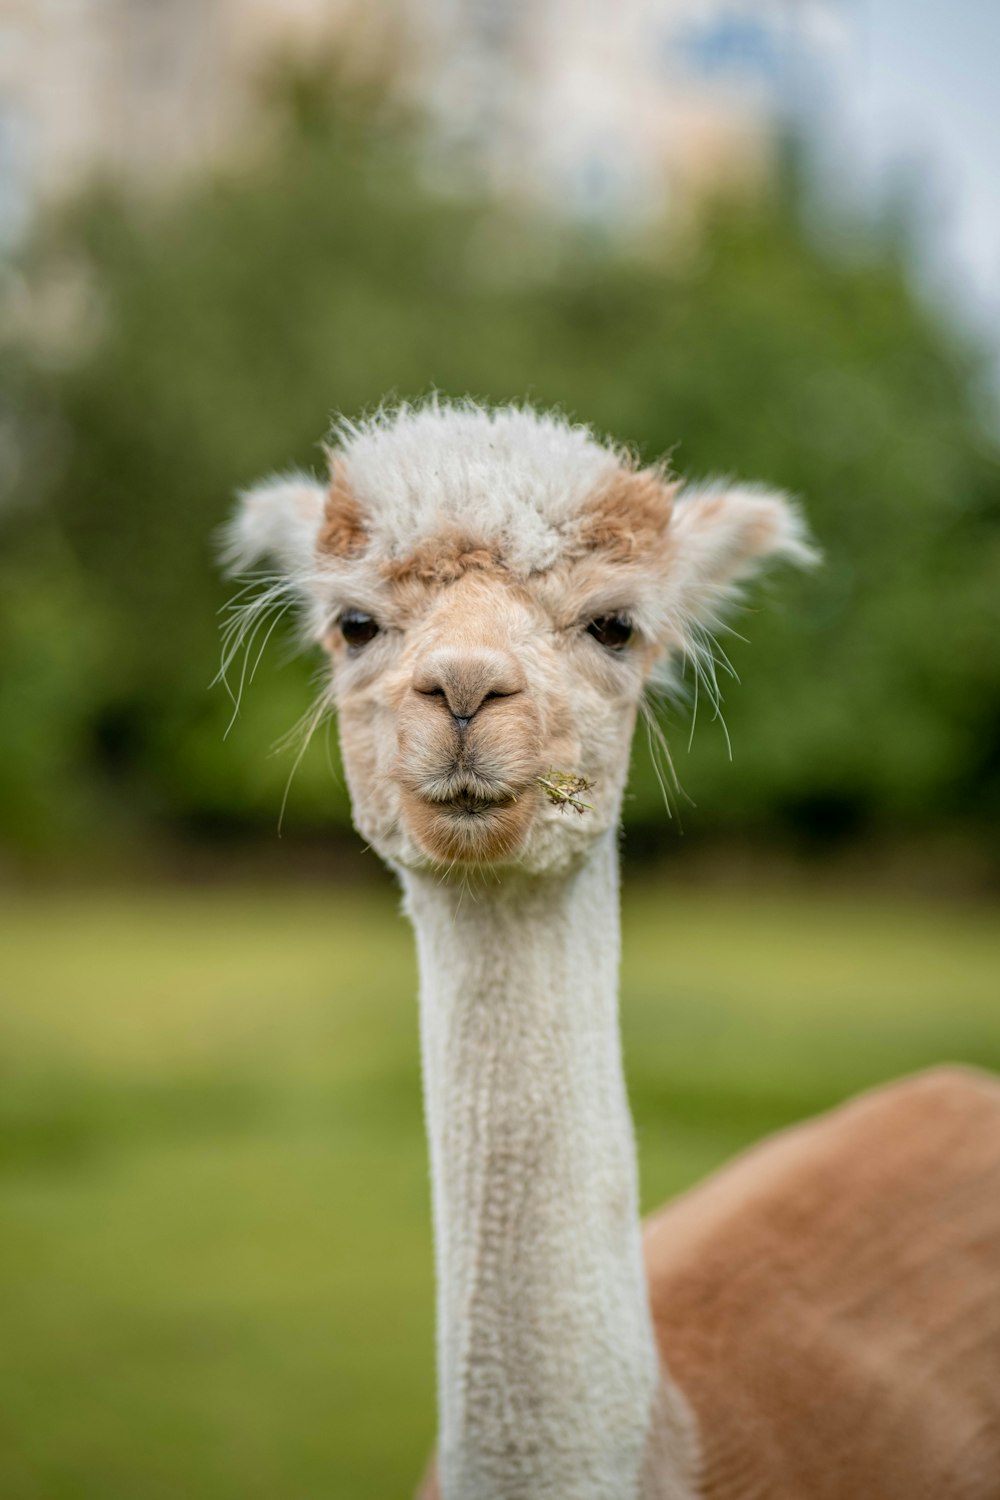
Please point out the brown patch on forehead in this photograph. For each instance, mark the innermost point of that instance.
(465, 602)
(343, 532)
(443, 559)
(627, 520)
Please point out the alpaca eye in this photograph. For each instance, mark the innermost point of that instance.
(357, 628)
(612, 631)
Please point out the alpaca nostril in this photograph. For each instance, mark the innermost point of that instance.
(466, 680)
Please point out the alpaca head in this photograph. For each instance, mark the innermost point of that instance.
(495, 589)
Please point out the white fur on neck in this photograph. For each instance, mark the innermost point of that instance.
(547, 1366)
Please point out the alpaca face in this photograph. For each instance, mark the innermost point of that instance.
(465, 696)
(494, 591)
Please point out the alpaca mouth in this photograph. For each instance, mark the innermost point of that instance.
(460, 818)
(462, 794)
(474, 803)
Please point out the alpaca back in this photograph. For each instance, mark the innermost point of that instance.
(830, 1303)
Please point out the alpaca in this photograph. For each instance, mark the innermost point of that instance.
(495, 590)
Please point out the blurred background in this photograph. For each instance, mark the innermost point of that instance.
(761, 235)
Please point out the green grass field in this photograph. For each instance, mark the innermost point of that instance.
(215, 1274)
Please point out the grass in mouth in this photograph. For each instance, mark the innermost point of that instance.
(564, 789)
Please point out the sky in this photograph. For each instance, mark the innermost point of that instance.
(923, 92)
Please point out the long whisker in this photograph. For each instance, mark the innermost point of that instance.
(694, 714)
(306, 727)
(700, 649)
(279, 616)
(663, 761)
(240, 630)
(656, 743)
(246, 642)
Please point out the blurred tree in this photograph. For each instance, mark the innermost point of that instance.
(224, 326)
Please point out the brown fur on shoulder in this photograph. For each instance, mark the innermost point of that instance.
(830, 1303)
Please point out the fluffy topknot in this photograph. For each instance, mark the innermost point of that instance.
(511, 477)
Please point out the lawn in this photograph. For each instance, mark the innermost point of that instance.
(215, 1272)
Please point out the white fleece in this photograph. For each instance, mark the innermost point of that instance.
(506, 475)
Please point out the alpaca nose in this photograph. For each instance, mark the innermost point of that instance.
(467, 678)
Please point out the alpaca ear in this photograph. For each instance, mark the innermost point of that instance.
(722, 536)
(279, 518)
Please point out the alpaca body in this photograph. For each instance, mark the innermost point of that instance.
(830, 1303)
(496, 590)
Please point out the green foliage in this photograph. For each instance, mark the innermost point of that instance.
(228, 321)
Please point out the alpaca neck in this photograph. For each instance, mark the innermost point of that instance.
(547, 1365)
